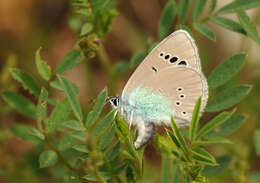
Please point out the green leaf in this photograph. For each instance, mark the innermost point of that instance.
(79, 135)
(226, 70)
(70, 92)
(57, 85)
(112, 153)
(180, 138)
(43, 68)
(27, 81)
(93, 115)
(73, 125)
(36, 133)
(105, 176)
(86, 28)
(194, 120)
(239, 4)
(73, 58)
(20, 103)
(121, 67)
(137, 58)
(48, 158)
(212, 5)
(67, 142)
(104, 123)
(223, 162)
(257, 142)
(248, 26)
(58, 116)
(198, 8)
(182, 10)
(210, 141)
(229, 126)
(205, 31)
(41, 109)
(80, 148)
(219, 119)
(174, 139)
(107, 138)
(202, 156)
(165, 168)
(228, 98)
(122, 130)
(229, 24)
(166, 19)
(21, 131)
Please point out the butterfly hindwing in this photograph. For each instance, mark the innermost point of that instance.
(182, 86)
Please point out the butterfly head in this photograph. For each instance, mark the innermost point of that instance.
(114, 101)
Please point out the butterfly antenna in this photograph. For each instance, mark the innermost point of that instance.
(107, 100)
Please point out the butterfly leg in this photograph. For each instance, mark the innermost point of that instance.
(146, 130)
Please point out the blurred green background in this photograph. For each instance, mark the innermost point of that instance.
(29, 24)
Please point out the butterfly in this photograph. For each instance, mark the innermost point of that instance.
(167, 83)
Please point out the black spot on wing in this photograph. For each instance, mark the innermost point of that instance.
(182, 63)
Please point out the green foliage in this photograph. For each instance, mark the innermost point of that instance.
(86, 28)
(228, 98)
(97, 145)
(239, 4)
(229, 24)
(182, 11)
(229, 126)
(226, 70)
(73, 58)
(257, 141)
(27, 81)
(248, 26)
(72, 98)
(58, 116)
(48, 158)
(43, 68)
(41, 109)
(194, 120)
(223, 162)
(205, 31)
(198, 8)
(20, 103)
(92, 116)
(167, 18)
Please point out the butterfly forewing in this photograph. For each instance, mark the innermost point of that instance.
(177, 48)
(173, 71)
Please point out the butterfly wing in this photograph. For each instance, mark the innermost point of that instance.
(182, 86)
(177, 49)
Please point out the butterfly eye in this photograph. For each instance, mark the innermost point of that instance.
(173, 59)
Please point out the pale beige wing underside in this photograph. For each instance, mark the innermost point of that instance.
(179, 44)
(182, 86)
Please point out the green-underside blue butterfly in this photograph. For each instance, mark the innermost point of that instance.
(167, 83)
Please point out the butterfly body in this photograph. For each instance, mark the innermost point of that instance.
(167, 83)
